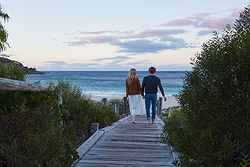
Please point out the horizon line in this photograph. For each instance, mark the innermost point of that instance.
(110, 70)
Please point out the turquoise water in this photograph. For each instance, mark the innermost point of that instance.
(110, 84)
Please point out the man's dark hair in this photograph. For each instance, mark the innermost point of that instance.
(152, 70)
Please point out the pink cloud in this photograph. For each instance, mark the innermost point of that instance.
(216, 23)
(179, 22)
(236, 12)
(205, 20)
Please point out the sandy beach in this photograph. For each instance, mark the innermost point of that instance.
(171, 102)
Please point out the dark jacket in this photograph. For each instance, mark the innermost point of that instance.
(150, 84)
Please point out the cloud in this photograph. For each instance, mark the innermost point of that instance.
(204, 32)
(167, 36)
(100, 39)
(213, 21)
(142, 63)
(114, 38)
(113, 60)
(131, 34)
(216, 23)
(97, 32)
(132, 42)
(236, 12)
(179, 22)
(151, 46)
(51, 65)
(112, 64)
(55, 63)
(176, 67)
(157, 33)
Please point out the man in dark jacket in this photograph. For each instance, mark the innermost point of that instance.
(150, 86)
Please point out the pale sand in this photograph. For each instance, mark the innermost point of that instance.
(171, 102)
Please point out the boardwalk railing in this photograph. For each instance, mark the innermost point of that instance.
(15, 85)
(121, 106)
(95, 137)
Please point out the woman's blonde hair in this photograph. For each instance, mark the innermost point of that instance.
(132, 74)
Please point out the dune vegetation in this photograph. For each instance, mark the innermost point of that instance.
(40, 129)
(212, 126)
(44, 128)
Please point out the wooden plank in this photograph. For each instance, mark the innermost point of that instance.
(129, 145)
(137, 144)
(110, 152)
(146, 156)
(88, 144)
(136, 139)
(124, 150)
(135, 135)
(141, 159)
(15, 85)
(84, 148)
(127, 163)
(127, 150)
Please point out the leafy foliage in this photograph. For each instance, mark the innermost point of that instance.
(7, 71)
(38, 130)
(245, 162)
(3, 33)
(11, 71)
(212, 128)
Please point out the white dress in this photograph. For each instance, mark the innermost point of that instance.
(136, 105)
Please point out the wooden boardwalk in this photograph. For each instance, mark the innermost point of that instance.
(127, 144)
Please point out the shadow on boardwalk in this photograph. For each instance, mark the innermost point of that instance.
(130, 145)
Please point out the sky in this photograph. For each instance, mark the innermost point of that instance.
(76, 35)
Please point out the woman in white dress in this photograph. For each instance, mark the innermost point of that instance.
(133, 93)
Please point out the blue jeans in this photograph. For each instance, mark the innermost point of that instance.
(150, 101)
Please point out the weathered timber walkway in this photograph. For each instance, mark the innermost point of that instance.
(128, 145)
(16, 85)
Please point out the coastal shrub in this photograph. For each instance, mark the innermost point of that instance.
(45, 128)
(212, 127)
(3, 32)
(11, 71)
(30, 134)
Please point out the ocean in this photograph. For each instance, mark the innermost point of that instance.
(107, 84)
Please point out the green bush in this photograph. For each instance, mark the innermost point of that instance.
(38, 130)
(11, 71)
(212, 128)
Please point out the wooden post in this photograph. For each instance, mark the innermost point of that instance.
(159, 106)
(126, 106)
(120, 108)
(116, 108)
(94, 127)
(104, 101)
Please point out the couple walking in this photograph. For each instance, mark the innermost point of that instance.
(148, 90)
